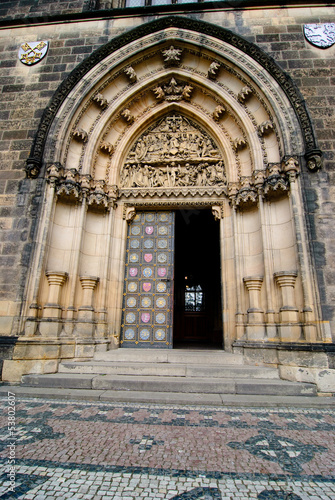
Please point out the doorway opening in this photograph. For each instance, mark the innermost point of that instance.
(197, 291)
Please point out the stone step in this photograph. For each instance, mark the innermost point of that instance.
(185, 356)
(170, 384)
(169, 369)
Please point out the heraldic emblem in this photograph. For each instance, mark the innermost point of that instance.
(33, 52)
(320, 35)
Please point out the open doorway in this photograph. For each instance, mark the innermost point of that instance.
(197, 291)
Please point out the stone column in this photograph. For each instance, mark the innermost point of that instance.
(35, 274)
(86, 311)
(52, 311)
(237, 253)
(102, 327)
(291, 167)
(271, 331)
(289, 312)
(80, 223)
(255, 313)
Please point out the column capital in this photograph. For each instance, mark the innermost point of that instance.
(56, 277)
(285, 278)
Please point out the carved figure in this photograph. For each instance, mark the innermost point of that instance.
(173, 153)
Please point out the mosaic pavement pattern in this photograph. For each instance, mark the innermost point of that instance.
(96, 450)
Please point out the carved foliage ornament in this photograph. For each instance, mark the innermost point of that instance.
(320, 35)
(173, 91)
(172, 56)
(69, 183)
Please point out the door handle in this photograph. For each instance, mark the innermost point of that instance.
(166, 280)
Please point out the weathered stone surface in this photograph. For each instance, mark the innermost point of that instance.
(25, 97)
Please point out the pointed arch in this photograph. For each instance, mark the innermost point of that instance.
(232, 46)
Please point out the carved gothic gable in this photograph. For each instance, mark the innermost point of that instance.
(174, 152)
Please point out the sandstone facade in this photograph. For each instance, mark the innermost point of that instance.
(227, 110)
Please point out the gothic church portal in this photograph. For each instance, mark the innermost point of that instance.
(174, 121)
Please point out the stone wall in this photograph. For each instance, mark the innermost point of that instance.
(26, 91)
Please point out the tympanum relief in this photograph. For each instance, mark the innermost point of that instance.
(173, 153)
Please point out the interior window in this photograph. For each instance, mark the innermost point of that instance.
(194, 298)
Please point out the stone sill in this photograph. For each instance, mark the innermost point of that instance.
(287, 346)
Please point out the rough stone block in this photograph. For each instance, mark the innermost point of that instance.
(35, 349)
(14, 369)
(303, 358)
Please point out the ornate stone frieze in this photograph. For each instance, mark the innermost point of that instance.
(270, 184)
(218, 112)
(173, 175)
(70, 184)
(131, 74)
(173, 153)
(173, 192)
(100, 100)
(80, 135)
(244, 94)
(173, 91)
(213, 70)
(174, 138)
(172, 56)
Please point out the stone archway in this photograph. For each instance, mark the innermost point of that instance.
(256, 136)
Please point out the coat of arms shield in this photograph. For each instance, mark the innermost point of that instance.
(147, 287)
(145, 317)
(320, 35)
(33, 52)
(133, 271)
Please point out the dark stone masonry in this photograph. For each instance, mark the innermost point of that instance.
(74, 30)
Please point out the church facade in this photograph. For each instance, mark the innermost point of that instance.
(168, 181)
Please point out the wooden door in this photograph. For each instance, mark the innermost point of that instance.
(148, 290)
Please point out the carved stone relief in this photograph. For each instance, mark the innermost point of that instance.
(173, 91)
(173, 153)
(172, 56)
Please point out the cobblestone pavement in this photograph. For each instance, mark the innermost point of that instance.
(99, 450)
